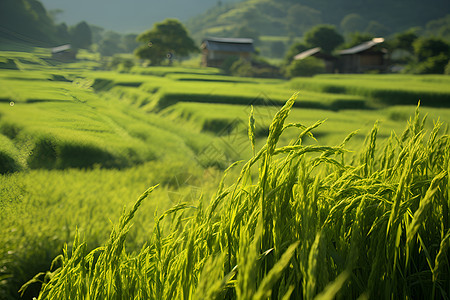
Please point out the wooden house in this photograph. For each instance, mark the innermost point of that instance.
(64, 53)
(329, 60)
(368, 56)
(215, 51)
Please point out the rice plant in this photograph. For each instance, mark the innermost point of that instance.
(299, 222)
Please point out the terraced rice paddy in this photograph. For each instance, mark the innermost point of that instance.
(78, 143)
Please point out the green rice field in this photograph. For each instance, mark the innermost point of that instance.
(118, 185)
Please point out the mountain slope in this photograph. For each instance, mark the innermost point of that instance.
(128, 16)
(27, 21)
(293, 17)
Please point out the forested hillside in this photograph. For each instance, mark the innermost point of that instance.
(128, 16)
(28, 21)
(293, 17)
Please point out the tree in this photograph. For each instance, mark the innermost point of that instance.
(81, 35)
(431, 56)
(404, 40)
(425, 48)
(166, 39)
(110, 44)
(447, 69)
(325, 37)
(353, 23)
(62, 32)
(129, 42)
(97, 33)
(439, 27)
(293, 50)
(433, 65)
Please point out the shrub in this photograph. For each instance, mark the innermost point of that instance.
(425, 48)
(9, 156)
(59, 153)
(120, 64)
(447, 68)
(43, 154)
(242, 68)
(6, 63)
(256, 67)
(433, 65)
(228, 62)
(306, 67)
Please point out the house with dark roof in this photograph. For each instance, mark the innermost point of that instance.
(329, 60)
(216, 50)
(368, 56)
(64, 53)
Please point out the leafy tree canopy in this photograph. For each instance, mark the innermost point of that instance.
(324, 36)
(81, 35)
(306, 67)
(165, 39)
(432, 55)
(432, 65)
(404, 40)
(425, 48)
(439, 27)
(110, 44)
(129, 42)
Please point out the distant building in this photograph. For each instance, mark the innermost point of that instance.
(216, 50)
(64, 53)
(368, 56)
(329, 60)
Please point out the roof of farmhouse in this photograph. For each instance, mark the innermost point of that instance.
(317, 52)
(307, 53)
(229, 44)
(61, 48)
(362, 47)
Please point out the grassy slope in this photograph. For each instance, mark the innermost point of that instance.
(432, 90)
(209, 117)
(47, 110)
(39, 113)
(313, 224)
(270, 17)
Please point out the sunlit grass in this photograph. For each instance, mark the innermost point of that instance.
(107, 136)
(300, 221)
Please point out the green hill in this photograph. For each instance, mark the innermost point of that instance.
(28, 22)
(292, 17)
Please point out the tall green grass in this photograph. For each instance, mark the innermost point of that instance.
(43, 209)
(300, 221)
